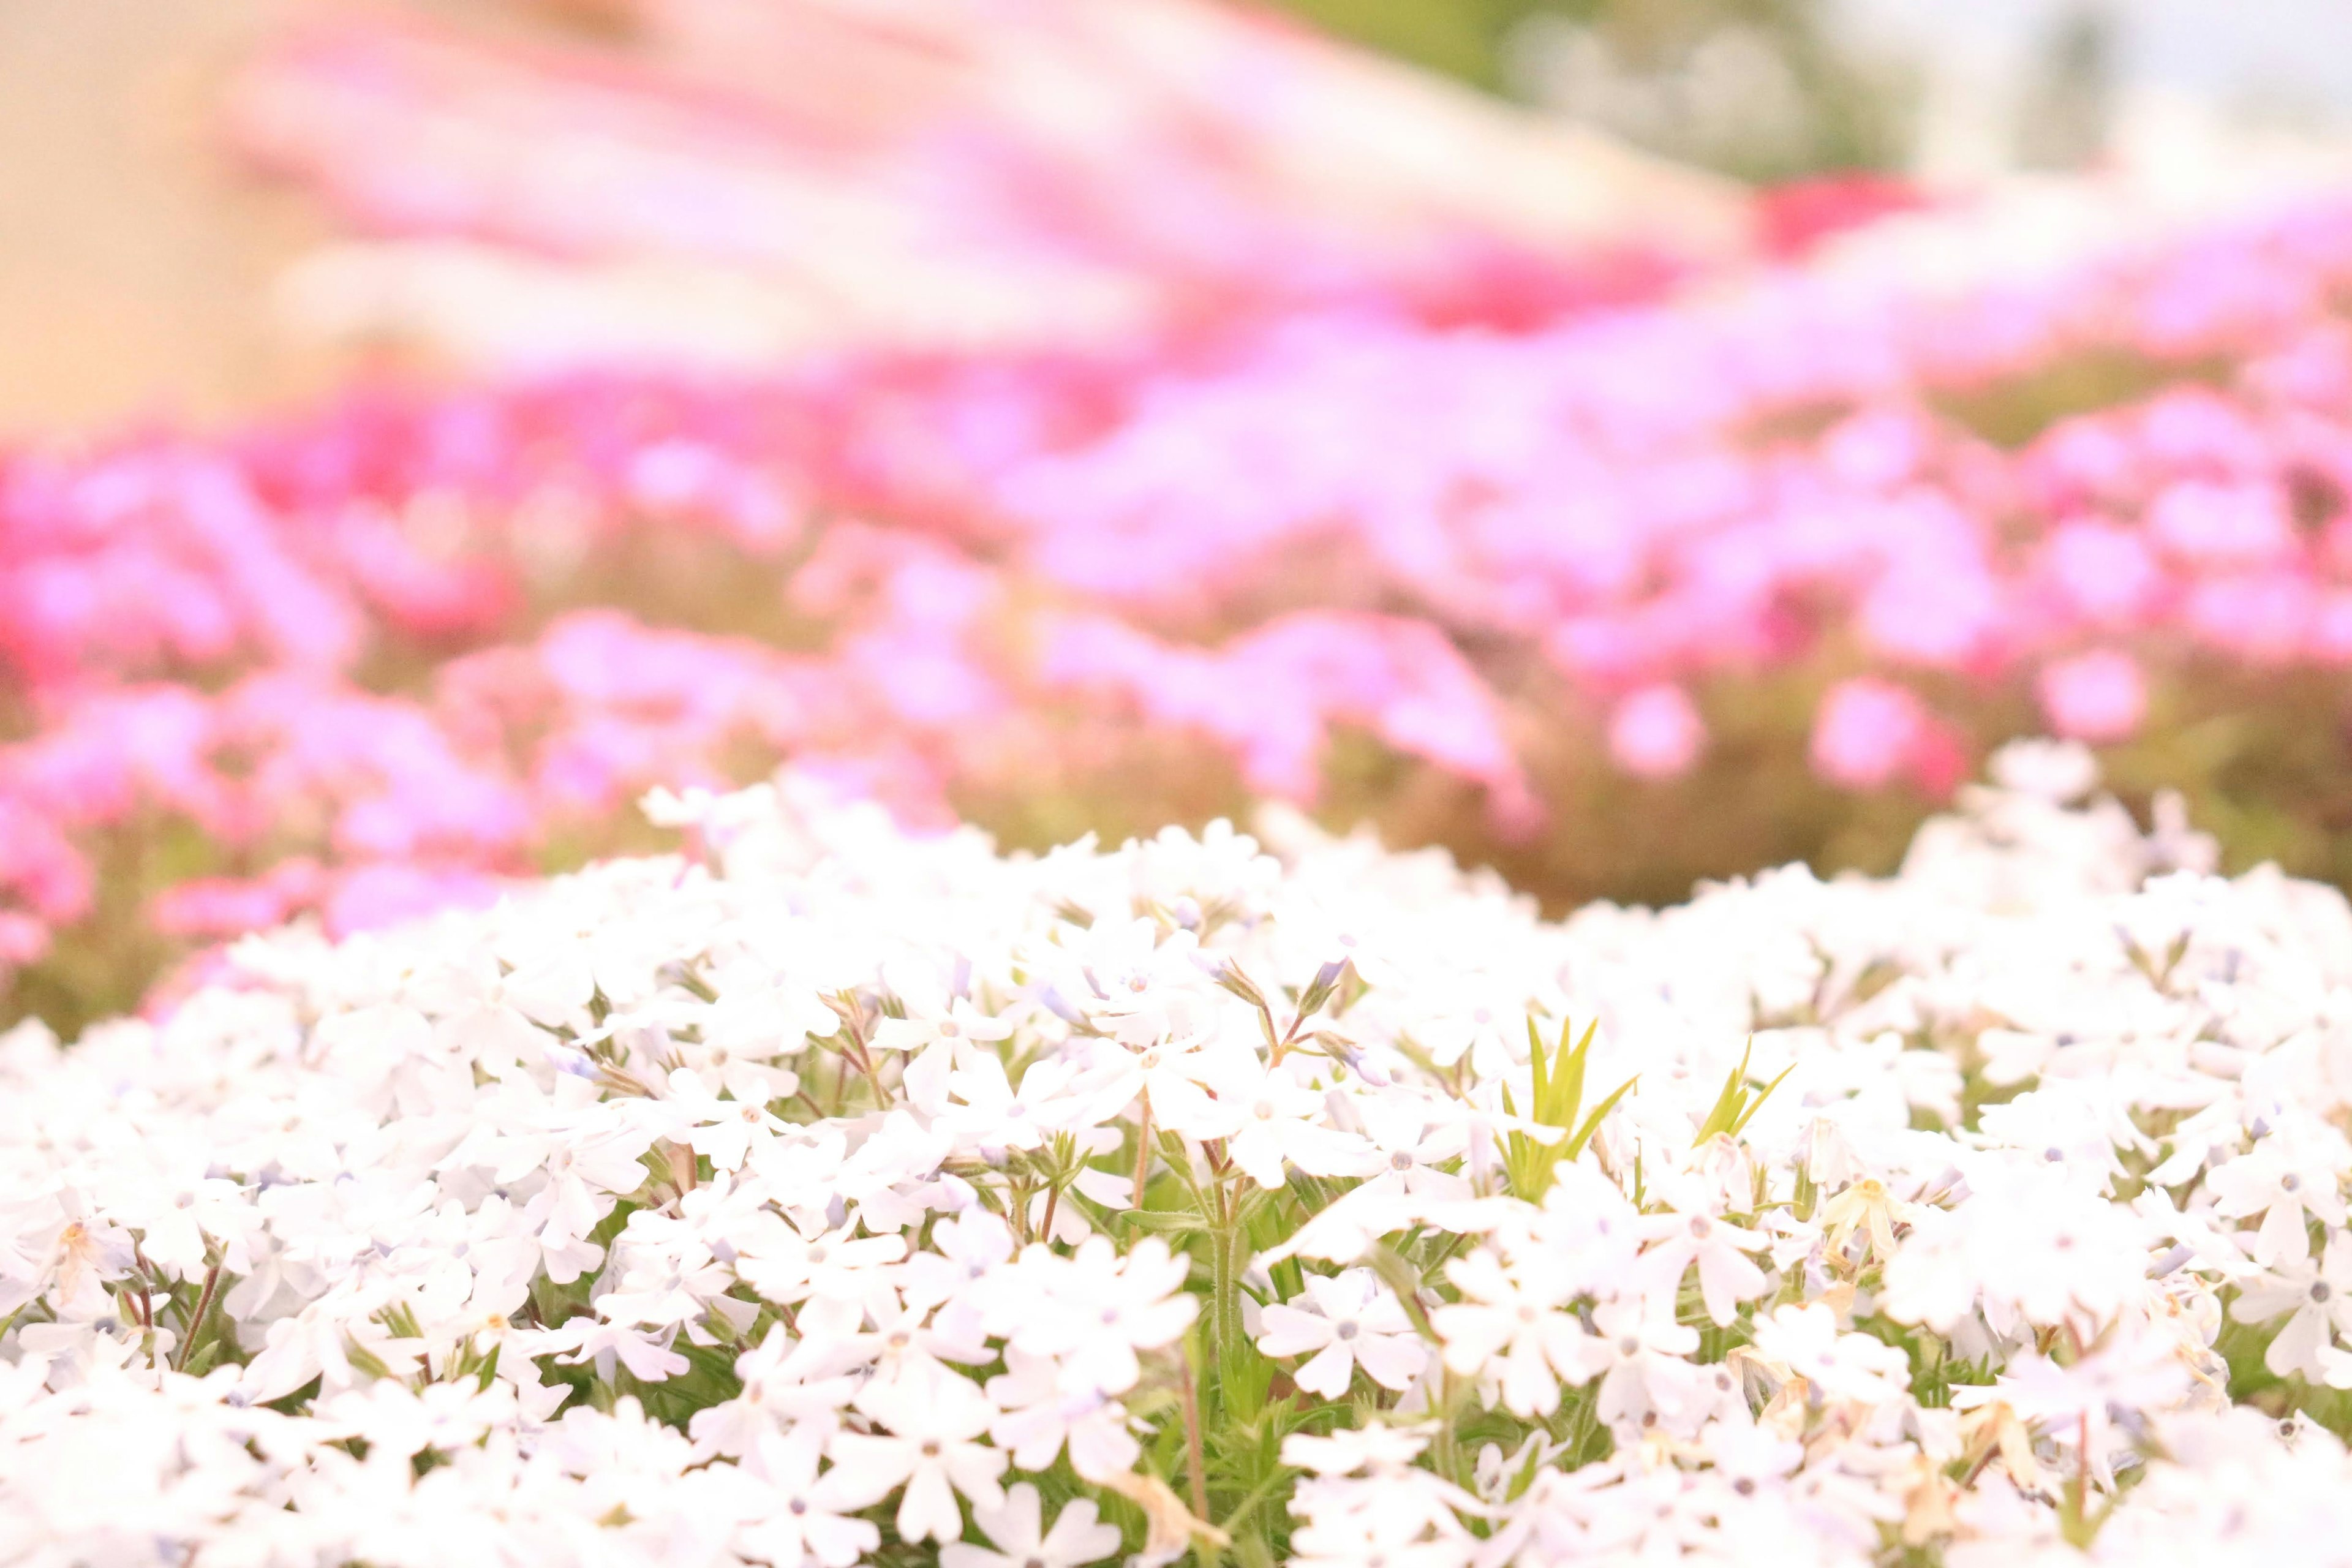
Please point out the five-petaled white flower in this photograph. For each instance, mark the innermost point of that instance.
(1354, 1321)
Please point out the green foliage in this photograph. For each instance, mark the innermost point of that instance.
(1737, 1105)
(1851, 120)
(1463, 38)
(1530, 1163)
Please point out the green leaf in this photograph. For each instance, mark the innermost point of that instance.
(1757, 1104)
(1166, 1222)
(1583, 1135)
(1243, 1379)
(1735, 1106)
(1557, 1080)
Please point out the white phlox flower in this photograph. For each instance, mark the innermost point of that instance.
(1021, 1541)
(927, 1449)
(838, 1192)
(1351, 1321)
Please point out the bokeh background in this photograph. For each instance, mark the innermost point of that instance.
(138, 256)
(1621, 441)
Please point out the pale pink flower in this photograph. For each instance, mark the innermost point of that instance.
(1657, 732)
(1867, 733)
(2099, 696)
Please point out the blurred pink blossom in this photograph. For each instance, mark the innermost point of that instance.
(2099, 697)
(390, 652)
(1869, 734)
(1657, 732)
(382, 893)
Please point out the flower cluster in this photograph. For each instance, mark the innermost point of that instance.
(1611, 599)
(829, 1188)
(1609, 493)
(362, 663)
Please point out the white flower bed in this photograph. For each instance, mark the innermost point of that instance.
(776, 1207)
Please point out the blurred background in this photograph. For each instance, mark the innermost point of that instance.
(146, 272)
(1623, 442)
(1776, 89)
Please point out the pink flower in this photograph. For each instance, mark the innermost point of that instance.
(2330, 640)
(2223, 525)
(23, 938)
(1868, 733)
(2259, 617)
(217, 906)
(1272, 695)
(2088, 459)
(2105, 571)
(1942, 614)
(40, 867)
(1657, 732)
(2099, 696)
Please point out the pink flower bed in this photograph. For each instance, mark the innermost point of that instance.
(1780, 543)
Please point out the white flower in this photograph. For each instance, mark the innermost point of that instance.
(646, 1355)
(2283, 1186)
(1642, 1375)
(1413, 1138)
(938, 1035)
(1041, 1414)
(722, 1129)
(2318, 1296)
(1147, 991)
(364, 1166)
(1464, 1020)
(957, 1273)
(1077, 1536)
(787, 1264)
(1273, 1120)
(1095, 1309)
(807, 1515)
(986, 1115)
(1805, 1340)
(1354, 1321)
(1380, 1450)
(1514, 1314)
(1726, 1275)
(788, 1384)
(929, 1448)
(76, 1261)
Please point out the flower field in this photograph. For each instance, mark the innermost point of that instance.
(629, 946)
(828, 1194)
(1650, 594)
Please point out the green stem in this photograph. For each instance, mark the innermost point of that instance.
(1143, 1151)
(1258, 1494)
(1586, 1409)
(1225, 1263)
(1196, 1461)
(1449, 1441)
(196, 1318)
